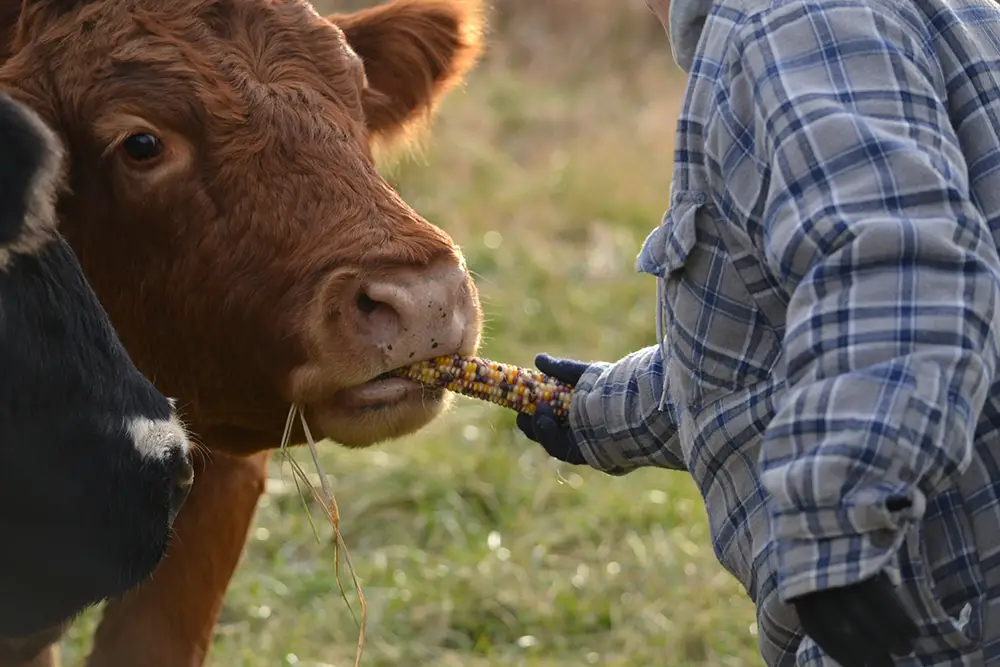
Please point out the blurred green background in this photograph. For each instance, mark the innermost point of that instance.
(473, 547)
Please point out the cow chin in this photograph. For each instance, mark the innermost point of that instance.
(355, 418)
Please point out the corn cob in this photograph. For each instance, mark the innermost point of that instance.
(520, 389)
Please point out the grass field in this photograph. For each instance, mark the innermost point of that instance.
(472, 546)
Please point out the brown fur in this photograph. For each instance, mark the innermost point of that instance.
(236, 265)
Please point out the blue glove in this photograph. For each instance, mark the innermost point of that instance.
(542, 426)
(862, 625)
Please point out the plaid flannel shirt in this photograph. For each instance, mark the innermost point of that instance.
(828, 282)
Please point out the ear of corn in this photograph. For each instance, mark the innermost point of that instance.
(521, 389)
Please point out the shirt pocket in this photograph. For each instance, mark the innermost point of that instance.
(714, 336)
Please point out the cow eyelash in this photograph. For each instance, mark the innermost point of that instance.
(115, 144)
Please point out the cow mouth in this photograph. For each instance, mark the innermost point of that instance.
(385, 390)
(382, 408)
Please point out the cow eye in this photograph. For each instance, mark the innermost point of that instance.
(142, 147)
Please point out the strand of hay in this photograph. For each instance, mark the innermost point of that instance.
(329, 504)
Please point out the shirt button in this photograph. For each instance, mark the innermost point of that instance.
(882, 539)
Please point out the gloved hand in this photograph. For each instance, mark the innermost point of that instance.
(542, 426)
(861, 625)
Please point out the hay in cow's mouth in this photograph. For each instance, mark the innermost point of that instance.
(329, 504)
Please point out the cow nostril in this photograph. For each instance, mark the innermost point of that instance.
(365, 303)
(182, 477)
(184, 473)
(376, 312)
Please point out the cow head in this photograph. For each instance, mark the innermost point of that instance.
(93, 465)
(226, 208)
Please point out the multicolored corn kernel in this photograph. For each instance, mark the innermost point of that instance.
(521, 389)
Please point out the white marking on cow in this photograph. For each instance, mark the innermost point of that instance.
(160, 438)
(41, 222)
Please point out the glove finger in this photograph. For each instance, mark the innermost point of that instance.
(883, 605)
(551, 439)
(546, 428)
(873, 633)
(566, 370)
(826, 621)
(555, 438)
(544, 411)
(527, 426)
(892, 607)
(554, 366)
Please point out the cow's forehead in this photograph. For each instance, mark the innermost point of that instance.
(225, 53)
(271, 28)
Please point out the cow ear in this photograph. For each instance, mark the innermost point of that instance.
(413, 51)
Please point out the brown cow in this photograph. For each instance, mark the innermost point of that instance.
(227, 211)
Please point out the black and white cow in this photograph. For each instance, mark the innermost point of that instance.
(94, 465)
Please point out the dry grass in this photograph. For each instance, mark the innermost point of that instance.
(472, 547)
(325, 498)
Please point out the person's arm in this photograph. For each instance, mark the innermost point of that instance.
(890, 344)
(616, 422)
(616, 417)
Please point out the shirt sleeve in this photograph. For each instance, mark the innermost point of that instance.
(616, 419)
(891, 273)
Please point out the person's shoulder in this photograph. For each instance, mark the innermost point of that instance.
(840, 20)
(763, 7)
(784, 11)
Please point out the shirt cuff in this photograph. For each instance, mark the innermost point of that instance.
(825, 548)
(615, 416)
(595, 449)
